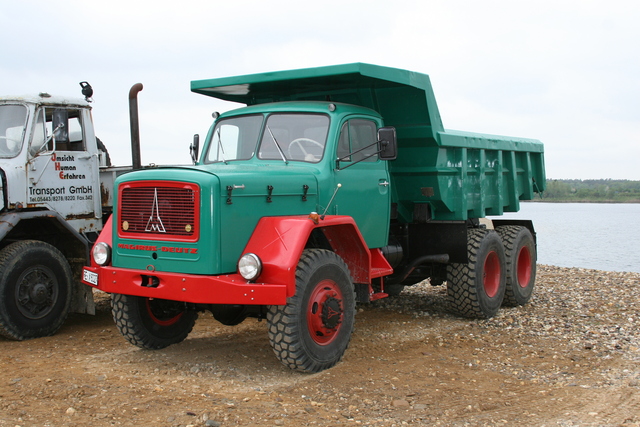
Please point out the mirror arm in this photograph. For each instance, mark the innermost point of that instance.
(341, 159)
(51, 137)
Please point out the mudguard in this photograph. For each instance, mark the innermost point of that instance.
(279, 242)
(106, 236)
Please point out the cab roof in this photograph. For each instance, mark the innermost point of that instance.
(45, 99)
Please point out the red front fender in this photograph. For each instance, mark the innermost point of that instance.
(106, 236)
(279, 242)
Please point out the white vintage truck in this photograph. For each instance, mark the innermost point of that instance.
(55, 193)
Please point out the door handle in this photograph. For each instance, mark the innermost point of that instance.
(384, 183)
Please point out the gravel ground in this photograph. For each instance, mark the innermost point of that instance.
(590, 309)
(569, 358)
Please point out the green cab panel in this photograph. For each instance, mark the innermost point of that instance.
(363, 187)
(249, 192)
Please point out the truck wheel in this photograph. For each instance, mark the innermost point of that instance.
(228, 314)
(391, 289)
(312, 332)
(152, 323)
(394, 290)
(36, 286)
(520, 253)
(476, 289)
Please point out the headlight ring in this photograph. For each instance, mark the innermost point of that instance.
(101, 253)
(249, 266)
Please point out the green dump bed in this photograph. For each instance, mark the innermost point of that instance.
(460, 175)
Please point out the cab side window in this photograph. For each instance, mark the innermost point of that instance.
(69, 137)
(358, 141)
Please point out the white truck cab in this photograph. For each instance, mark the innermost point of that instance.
(51, 210)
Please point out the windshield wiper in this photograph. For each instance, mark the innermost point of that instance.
(220, 149)
(284, 158)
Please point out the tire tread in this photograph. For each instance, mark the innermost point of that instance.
(127, 319)
(462, 291)
(510, 237)
(9, 256)
(284, 336)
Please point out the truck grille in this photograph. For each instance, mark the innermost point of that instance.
(159, 210)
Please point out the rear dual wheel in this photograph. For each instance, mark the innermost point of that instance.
(477, 288)
(520, 253)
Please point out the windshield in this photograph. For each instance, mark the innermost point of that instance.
(12, 125)
(300, 137)
(234, 139)
(285, 137)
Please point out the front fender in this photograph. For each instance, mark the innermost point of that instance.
(279, 242)
(106, 236)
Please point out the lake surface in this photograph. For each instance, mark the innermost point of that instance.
(588, 235)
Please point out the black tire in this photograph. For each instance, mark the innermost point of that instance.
(36, 287)
(312, 332)
(152, 323)
(391, 289)
(228, 314)
(520, 255)
(394, 290)
(476, 289)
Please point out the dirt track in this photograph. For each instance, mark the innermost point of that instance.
(570, 358)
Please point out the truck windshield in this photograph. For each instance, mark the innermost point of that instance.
(13, 120)
(299, 137)
(234, 139)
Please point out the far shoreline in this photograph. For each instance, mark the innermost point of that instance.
(619, 202)
(593, 270)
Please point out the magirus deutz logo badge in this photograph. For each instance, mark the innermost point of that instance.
(155, 225)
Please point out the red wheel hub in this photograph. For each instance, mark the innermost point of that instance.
(325, 312)
(491, 277)
(524, 266)
(163, 316)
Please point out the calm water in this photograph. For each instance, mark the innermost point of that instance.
(588, 235)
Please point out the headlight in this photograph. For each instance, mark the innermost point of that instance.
(101, 253)
(249, 266)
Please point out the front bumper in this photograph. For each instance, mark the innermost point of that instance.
(223, 289)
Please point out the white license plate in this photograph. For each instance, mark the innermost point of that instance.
(90, 277)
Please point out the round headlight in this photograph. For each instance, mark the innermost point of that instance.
(101, 253)
(249, 266)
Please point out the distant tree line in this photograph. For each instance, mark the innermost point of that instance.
(592, 190)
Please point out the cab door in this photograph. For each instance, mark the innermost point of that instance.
(364, 193)
(61, 172)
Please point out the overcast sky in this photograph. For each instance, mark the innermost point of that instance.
(564, 72)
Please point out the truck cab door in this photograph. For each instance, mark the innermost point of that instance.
(365, 191)
(61, 171)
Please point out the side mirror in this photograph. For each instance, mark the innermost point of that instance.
(387, 143)
(194, 148)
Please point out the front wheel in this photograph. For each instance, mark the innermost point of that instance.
(36, 286)
(476, 289)
(152, 323)
(520, 252)
(312, 332)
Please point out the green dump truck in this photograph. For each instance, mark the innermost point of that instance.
(332, 186)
